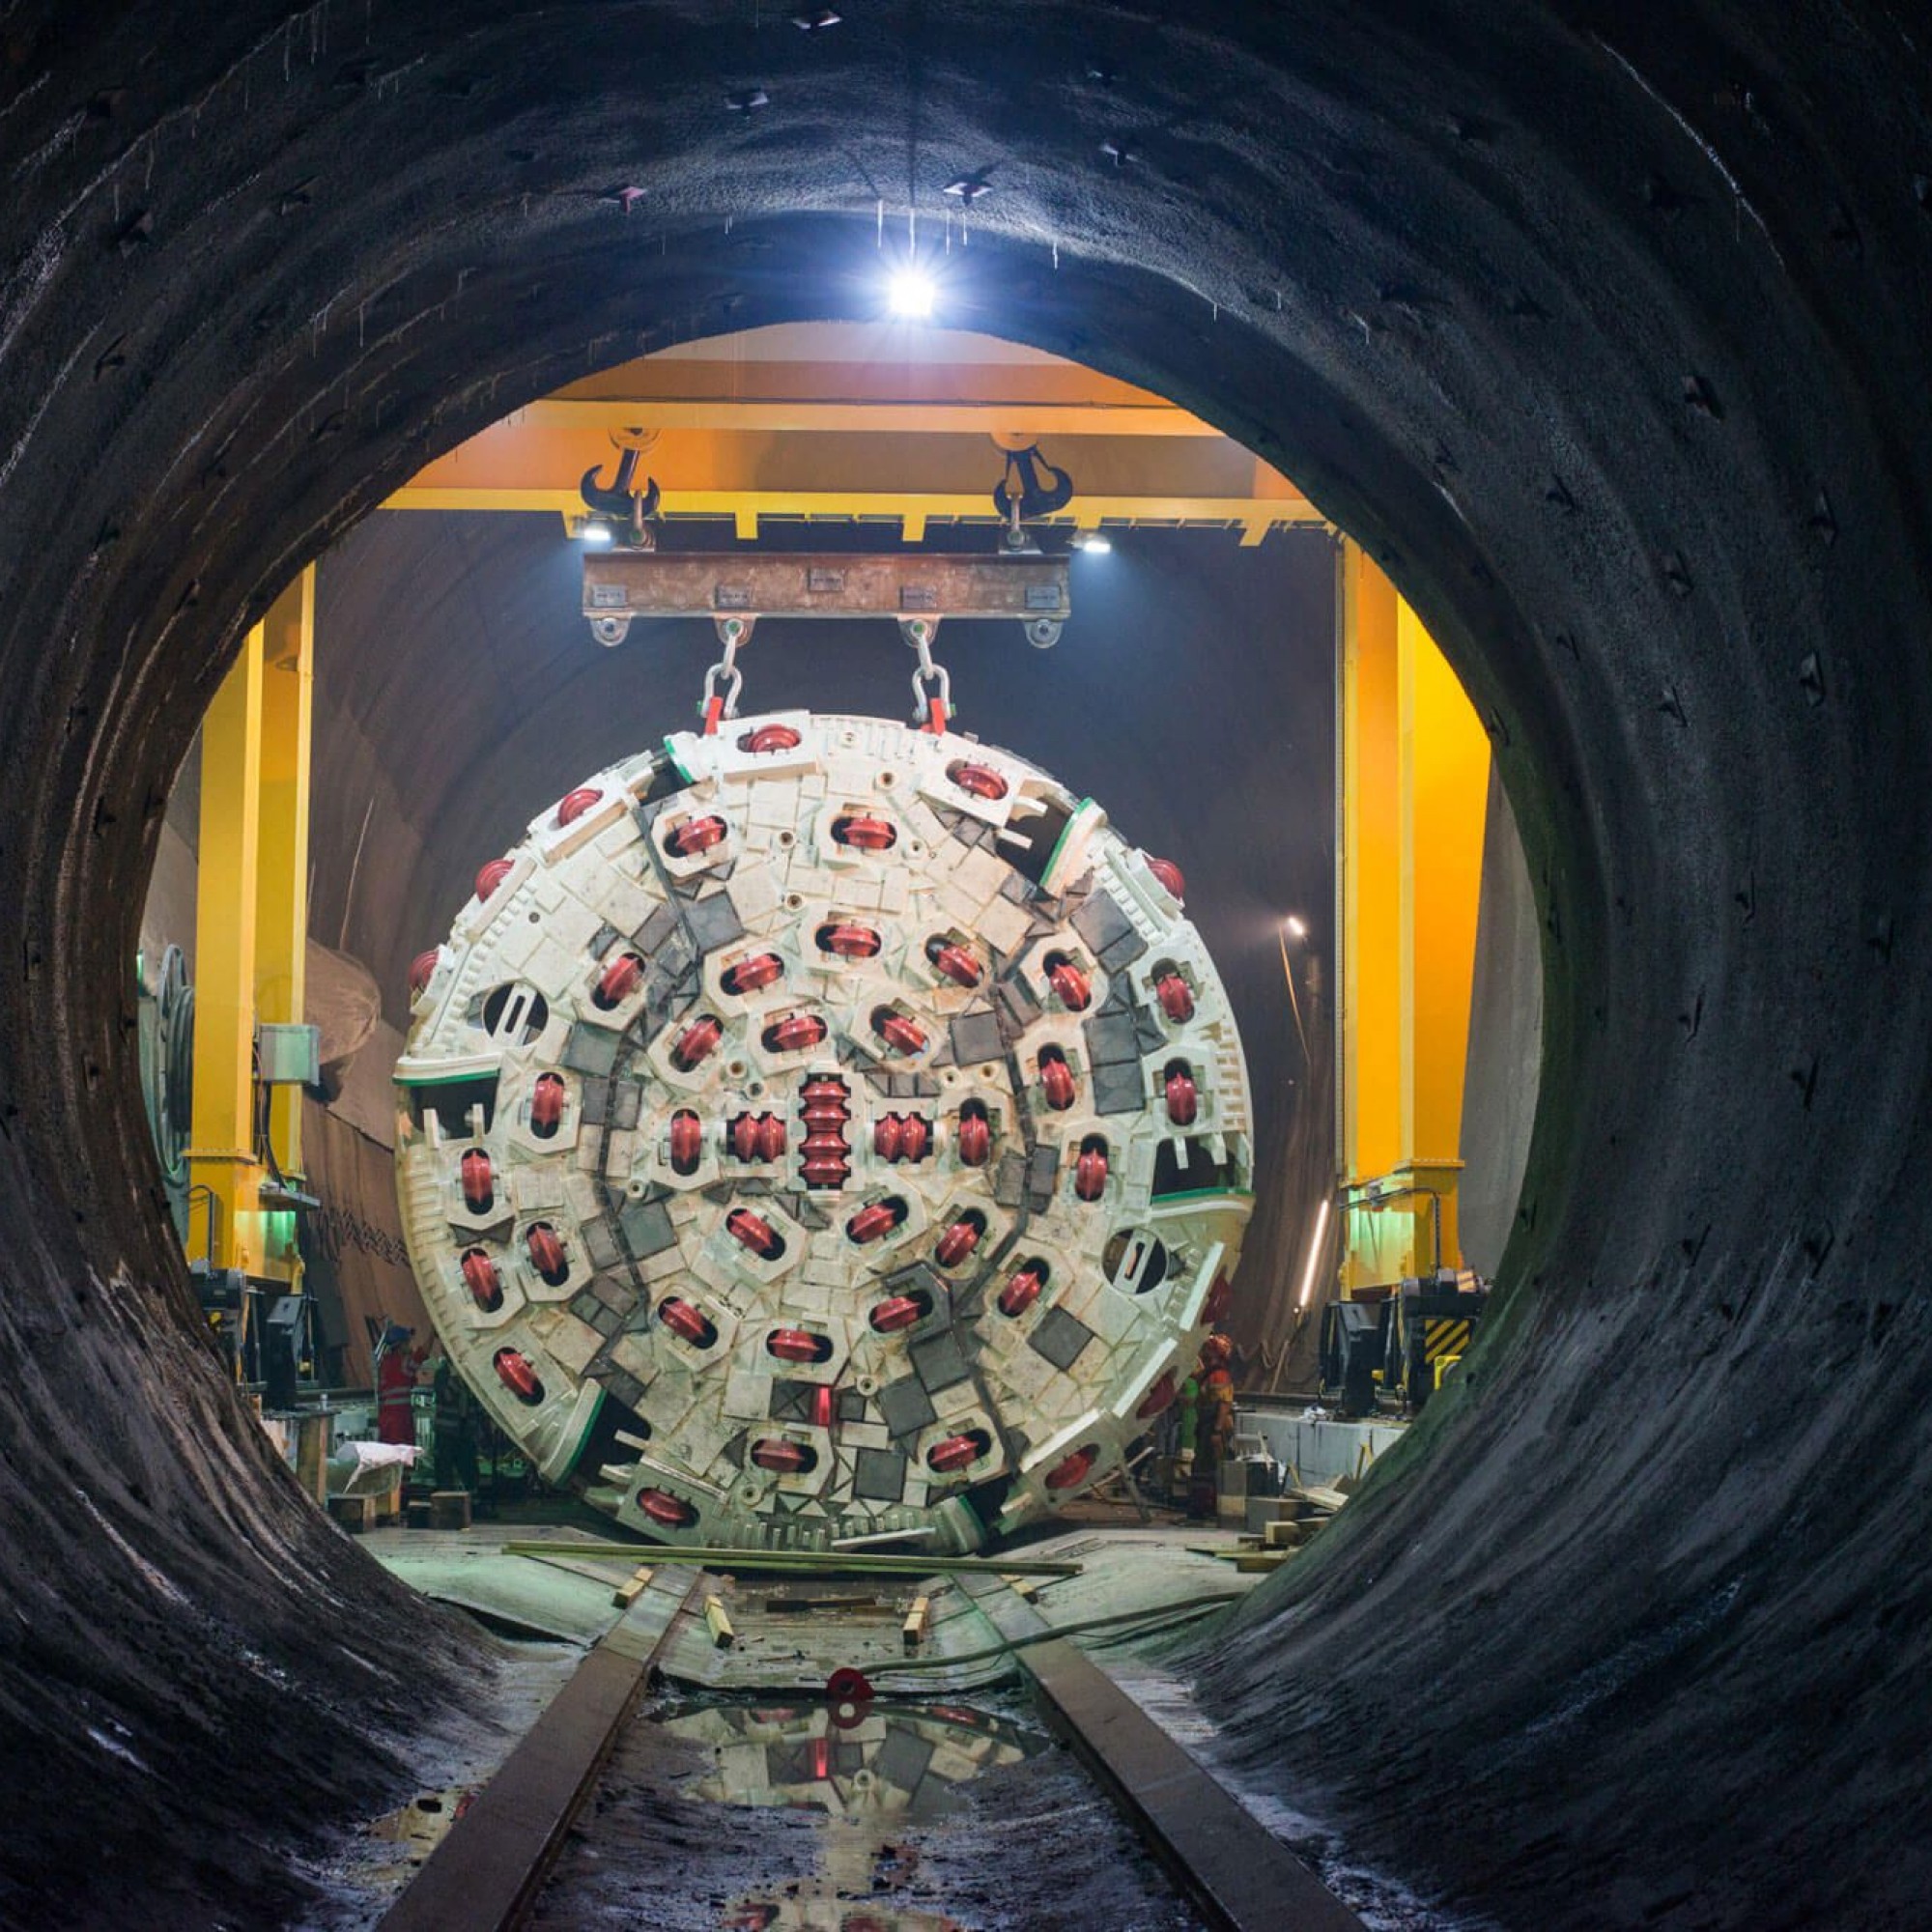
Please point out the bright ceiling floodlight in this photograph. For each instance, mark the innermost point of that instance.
(595, 533)
(1296, 926)
(1092, 543)
(910, 294)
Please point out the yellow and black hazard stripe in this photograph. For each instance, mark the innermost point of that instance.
(1445, 1337)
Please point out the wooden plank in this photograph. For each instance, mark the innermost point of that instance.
(913, 1630)
(804, 1603)
(312, 1433)
(722, 1635)
(631, 1588)
(487, 1871)
(809, 1562)
(1322, 1498)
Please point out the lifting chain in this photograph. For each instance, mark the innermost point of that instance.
(718, 705)
(932, 687)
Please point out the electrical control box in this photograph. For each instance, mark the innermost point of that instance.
(288, 1055)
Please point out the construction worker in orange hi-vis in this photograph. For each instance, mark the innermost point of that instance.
(397, 1362)
(1217, 1399)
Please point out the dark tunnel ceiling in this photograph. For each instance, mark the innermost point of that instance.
(459, 694)
(1604, 327)
(457, 681)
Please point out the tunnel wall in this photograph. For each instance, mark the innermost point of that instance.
(1601, 327)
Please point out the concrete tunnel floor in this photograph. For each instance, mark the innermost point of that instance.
(1603, 328)
(732, 1793)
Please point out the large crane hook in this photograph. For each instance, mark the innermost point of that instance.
(620, 502)
(1035, 497)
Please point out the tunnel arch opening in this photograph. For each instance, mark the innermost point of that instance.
(530, 461)
(1608, 594)
(1046, 317)
(793, 296)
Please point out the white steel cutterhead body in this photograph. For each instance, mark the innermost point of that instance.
(824, 1130)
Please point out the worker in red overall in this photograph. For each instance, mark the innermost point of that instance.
(1218, 1399)
(396, 1366)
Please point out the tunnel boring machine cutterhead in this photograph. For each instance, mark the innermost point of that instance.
(822, 1129)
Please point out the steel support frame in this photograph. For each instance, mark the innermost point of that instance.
(1413, 773)
(868, 441)
(251, 935)
(749, 509)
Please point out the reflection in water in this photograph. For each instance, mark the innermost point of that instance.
(903, 1760)
(888, 1765)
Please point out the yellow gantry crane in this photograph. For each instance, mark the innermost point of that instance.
(1412, 783)
(252, 1051)
(832, 421)
(782, 434)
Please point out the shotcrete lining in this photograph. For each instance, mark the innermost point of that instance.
(1645, 1600)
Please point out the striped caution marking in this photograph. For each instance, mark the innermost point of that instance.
(1446, 1337)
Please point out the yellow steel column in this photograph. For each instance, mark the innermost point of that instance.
(1413, 772)
(1368, 875)
(222, 1155)
(1445, 770)
(281, 918)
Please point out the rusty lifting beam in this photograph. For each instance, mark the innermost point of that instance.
(620, 586)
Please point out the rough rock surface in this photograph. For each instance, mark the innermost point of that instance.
(1603, 325)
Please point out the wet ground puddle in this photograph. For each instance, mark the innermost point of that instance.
(870, 1771)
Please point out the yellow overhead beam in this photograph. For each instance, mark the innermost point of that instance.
(877, 439)
(842, 416)
(1413, 774)
(1254, 517)
(525, 453)
(964, 377)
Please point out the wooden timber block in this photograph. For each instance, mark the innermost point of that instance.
(1288, 1535)
(631, 1588)
(354, 1514)
(312, 1433)
(721, 1632)
(1251, 1562)
(914, 1628)
(449, 1509)
(1323, 1498)
(417, 1513)
(1306, 1512)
